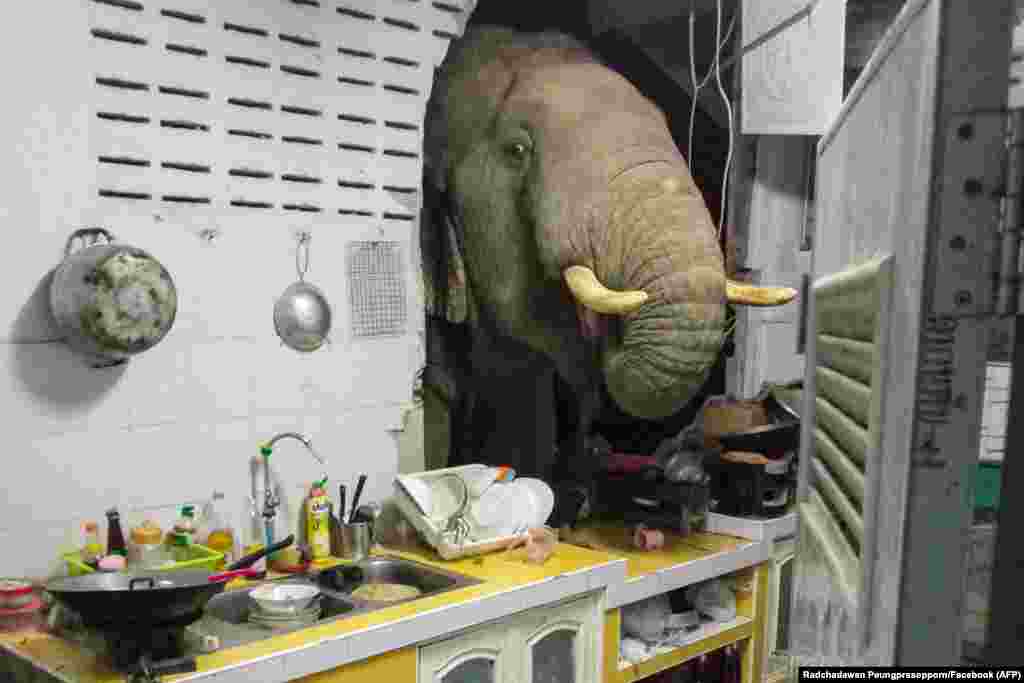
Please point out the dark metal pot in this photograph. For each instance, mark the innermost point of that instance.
(147, 600)
(111, 301)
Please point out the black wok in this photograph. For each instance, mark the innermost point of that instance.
(148, 600)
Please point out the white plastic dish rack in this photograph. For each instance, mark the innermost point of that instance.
(444, 506)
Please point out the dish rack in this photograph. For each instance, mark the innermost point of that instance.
(433, 527)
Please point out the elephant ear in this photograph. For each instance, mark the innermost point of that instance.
(445, 285)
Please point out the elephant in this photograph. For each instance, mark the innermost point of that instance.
(562, 228)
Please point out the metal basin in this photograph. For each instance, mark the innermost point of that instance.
(233, 607)
(227, 615)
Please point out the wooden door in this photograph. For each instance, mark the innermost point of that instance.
(905, 202)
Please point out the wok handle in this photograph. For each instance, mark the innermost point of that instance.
(224, 576)
(251, 558)
(84, 233)
(141, 579)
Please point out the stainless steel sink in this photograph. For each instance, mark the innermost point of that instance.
(428, 580)
(227, 614)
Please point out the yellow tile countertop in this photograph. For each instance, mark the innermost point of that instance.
(682, 561)
(509, 584)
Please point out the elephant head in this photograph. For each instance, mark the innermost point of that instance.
(573, 220)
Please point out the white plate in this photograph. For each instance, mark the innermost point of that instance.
(503, 509)
(420, 493)
(543, 499)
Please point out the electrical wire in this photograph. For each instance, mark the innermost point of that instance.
(697, 87)
(728, 113)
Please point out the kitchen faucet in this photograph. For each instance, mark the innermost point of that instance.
(270, 500)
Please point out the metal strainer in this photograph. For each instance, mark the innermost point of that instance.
(302, 315)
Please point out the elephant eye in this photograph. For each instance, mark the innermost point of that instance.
(516, 151)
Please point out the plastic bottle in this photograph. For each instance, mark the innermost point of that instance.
(91, 550)
(254, 539)
(318, 522)
(219, 533)
(184, 535)
(115, 537)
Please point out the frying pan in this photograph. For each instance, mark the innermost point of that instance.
(152, 599)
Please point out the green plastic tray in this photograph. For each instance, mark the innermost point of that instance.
(202, 558)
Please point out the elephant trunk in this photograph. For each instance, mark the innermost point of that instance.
(657, 267)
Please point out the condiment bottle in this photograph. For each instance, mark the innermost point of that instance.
(115, 537)
(184, 535)
(221, 534)
(318, 522)
(91, 550)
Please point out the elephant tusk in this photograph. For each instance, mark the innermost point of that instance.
(589, 292)
(752, 295)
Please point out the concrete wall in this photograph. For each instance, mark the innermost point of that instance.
(184, 419)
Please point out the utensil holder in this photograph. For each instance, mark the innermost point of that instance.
(355, 541)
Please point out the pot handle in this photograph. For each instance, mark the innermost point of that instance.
(141, 579)
(226, 576)
(84, 233)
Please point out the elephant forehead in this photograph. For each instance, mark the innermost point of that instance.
(584, 106)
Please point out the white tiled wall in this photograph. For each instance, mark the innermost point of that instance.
(181, 420)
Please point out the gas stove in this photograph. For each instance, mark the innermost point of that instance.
(143, 653)
(159, 649)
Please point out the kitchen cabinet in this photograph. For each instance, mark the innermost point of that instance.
(555, 644)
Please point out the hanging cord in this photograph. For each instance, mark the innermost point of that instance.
(697, 87)
(728, 113)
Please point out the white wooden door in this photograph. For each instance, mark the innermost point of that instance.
(909, 171)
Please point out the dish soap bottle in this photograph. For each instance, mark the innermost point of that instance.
(318, 522)
(219, 534)
(115, 537)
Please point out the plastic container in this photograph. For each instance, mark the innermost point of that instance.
(27, 618)
(15, 593)
(145, 549)
(217, 531)
(113, 563)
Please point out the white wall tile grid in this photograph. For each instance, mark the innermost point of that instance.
(210, 134)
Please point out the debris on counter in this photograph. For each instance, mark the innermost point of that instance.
(645, 538)
(540, 544)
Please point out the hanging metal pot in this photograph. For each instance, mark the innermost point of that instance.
(111, 301)
(302, 314)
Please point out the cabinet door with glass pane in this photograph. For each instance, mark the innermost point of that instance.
(558, 644)
(475, 657)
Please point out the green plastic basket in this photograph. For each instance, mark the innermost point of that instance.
(202, 558)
